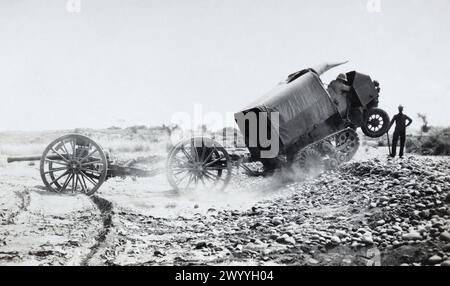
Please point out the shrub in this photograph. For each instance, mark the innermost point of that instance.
(437, 143)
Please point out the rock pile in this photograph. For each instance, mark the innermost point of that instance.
(384, 205)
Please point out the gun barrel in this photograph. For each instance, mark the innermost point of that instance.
(30, 158)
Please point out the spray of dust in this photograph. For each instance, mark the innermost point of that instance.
(245, 191)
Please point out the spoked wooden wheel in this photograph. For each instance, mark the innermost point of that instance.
(198, 162)
(73, 163)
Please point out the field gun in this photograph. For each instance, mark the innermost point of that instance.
(76, 163)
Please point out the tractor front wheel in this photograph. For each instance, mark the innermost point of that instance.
(375, 122)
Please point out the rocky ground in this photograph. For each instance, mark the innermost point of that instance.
(372, 211)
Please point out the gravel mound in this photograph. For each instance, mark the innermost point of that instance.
(367, 213)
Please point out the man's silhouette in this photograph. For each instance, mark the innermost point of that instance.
(400, 130)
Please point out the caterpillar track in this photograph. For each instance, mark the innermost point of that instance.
(329, 152)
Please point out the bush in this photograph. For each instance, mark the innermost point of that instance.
(437, 143)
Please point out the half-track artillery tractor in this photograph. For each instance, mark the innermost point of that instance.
(312, 128)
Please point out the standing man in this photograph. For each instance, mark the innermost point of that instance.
(400, 130)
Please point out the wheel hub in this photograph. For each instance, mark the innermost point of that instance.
(198, 168)
(74, 165)
(374, 122)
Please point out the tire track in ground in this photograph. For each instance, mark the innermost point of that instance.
(106, 212)
(24, 197)
(24, 202)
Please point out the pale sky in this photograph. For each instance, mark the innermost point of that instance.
(140, 61)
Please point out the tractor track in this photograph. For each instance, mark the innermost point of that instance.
(106, 211)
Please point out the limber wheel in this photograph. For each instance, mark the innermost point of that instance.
(375, 122)
(198, 162)
(73, 163)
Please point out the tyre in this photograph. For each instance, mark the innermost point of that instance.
(375, 122)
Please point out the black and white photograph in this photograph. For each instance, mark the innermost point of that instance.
(248, 134)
